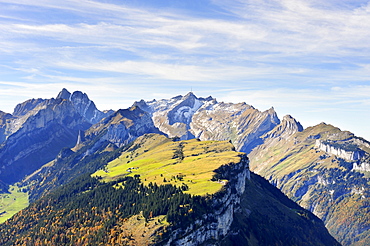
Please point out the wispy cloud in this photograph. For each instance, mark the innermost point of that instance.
(265, 52)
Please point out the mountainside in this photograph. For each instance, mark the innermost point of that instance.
(48, 143)
(187, 117)
(4, 119)
(114, 131)
(278, 154)
(39, 137)
(324, 170)
(39, 129)
(148, 195)
(123, 126)
(83, 105)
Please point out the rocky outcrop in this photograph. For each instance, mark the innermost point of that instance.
(123, 126)
(362, 167)
(216, 226)
(285, 129)
(339, 150)
(23, 108)
(40, 128)
(250, 211)
(64, 94)
(84, 106)
(173, 116)
(4, 120)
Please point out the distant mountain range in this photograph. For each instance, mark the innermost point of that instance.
(49, 143)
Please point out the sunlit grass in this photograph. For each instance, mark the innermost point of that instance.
(156, 161)
(11, 203)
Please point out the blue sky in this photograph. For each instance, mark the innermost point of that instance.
(308, 58)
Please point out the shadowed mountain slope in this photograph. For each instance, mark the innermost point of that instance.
(129, 202)
(324, 170)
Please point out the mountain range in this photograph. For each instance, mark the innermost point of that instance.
(48, 143)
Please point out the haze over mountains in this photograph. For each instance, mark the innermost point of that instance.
(47, 143)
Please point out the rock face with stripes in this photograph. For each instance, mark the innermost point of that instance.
(39, 128)
(189, 117)
(323, 169)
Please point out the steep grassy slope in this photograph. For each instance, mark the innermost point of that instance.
(322, 182)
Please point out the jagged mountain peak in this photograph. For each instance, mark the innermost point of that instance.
(79, 95)
(64, 94)
(83, 105)
(123, 126)
(193, 96)
(271, 111)
(288, 117)
(143, 105)
(4, 115)
(286, 128)
(78, 98)
(133, 111)
(292, 123)
(190, 94)
(190, 116)
(23, 108)
(183, 112)
(273, 114)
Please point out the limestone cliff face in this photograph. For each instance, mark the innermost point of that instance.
(28, 109)
(362, 166)
(5, 118)
(40, 128)
(352, 155)
(285, 129)
(83, 105)
(251, 212)
(23, 108)
(216, 226)
(189, 117)
(45, 131)
(320, 168)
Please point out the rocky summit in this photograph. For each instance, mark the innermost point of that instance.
(39, 129)
(189, 117)
(63, 156)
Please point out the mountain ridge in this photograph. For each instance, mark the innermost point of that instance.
(83, 211)
(274, 146)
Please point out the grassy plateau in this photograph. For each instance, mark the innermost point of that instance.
(160, 160)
